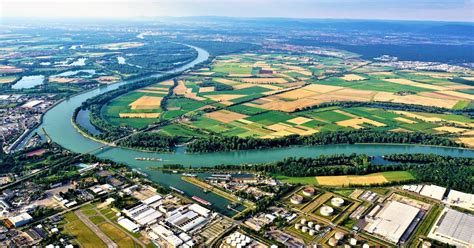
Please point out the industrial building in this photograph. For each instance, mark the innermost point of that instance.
(455, 228)
(18, 220)
(387, 223)
(143, 214)
(461, 199)
(128, 224)
(186, 221)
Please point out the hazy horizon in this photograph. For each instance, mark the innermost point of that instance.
(416, 10)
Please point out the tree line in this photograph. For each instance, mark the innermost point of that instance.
(222, 143)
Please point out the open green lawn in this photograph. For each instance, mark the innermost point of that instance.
(395, 176)
(232, 68)
(301, 180)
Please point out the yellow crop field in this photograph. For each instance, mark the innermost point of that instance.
(401, 119)
(411, 83)
(299, 120)
(206, 89)
(445, 129)
(357, 122)
(352, 77)
(264, 80)
(139, 115)
(6, 80)
(415, 99)
(180, 89)
(225, 116)
(351, 180)
(146, 102)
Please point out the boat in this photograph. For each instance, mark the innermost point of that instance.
(148, 159)
(189, 175)
(201, 200)
(177, 190)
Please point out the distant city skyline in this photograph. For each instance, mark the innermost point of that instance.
(436, 10)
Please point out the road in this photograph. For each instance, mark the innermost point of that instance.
(96, 230)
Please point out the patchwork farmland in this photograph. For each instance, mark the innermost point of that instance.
(276, 95)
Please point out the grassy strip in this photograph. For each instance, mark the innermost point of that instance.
(426, 225)
(84, 236)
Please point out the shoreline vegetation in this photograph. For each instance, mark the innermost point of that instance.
(451, 172)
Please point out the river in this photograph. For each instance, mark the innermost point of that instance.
(57, 123)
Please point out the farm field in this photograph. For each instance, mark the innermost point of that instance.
(370, 179)
(276, 95)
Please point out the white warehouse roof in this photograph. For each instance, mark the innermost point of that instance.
(388, 222)
(433, 191)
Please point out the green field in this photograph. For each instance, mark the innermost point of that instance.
(81, 233)
(266, 109)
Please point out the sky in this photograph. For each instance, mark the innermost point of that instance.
(437, 10)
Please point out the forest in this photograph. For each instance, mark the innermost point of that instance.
(218, 143)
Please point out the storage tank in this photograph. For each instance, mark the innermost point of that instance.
(308, 191)
(353, 241)
(303, 221)
(332, 242)
(337, 201)
(366, 245)
(297, 226)
(426, 244)
(326, 211)
(317, 227)
(339, 235)
(310, 224)
(296, 199)
(312, 232)
(304, 229)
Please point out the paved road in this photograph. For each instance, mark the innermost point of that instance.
(96, 230)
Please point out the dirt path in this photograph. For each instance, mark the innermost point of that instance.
(96, 230)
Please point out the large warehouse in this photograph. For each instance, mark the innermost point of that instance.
(455, 228)
(388, 222)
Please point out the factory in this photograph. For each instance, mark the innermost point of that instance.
(431, 191)
(143, 214)
(186, 220)
(388, 224)
(128, 224)
(460, 199)
(18, 220)
(455, 228)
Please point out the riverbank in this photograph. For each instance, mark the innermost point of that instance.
(217, 191)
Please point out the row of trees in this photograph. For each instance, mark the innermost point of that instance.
(452, 172)
(220, 143)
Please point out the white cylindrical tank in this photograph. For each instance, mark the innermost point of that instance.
(297, 226)
(337, 201)
(308, 191)
(304, 229)
(310, 224)
(366, 245)
(296, 199)
(317, 227)
(233, 243)
(353, 241)
(339, 235)
(326, 211)
(426, 244)
(228, 240)
(303, 221)
(312, 232)
(332, 242)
